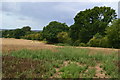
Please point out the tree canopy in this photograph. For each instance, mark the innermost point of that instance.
(52, 29)
(91, 21)
(113, 34)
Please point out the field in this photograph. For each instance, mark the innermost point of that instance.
(33, 59)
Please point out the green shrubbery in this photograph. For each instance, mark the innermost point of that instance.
(99, 42)
(83, 44)
(76, 43)
(111, 39)
(17, 33)
(63, 37)
(35, 36)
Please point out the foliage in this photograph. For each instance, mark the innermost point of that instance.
(52, 29)
(8, 33)
(95, 41)
(105, 42)
(26, 29)
(63, 37)
(34, 36)
(98, 41)
(76, 43)
(91, 21)
(17, 33)
(82, 44)
(0, 34)
(113, 34)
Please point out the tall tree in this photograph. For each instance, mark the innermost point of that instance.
(26, 28)
(113, 34)
(18, 33)
(52, 29)
(91, 21)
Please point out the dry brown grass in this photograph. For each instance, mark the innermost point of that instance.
(10, 44)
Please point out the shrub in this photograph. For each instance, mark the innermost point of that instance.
(95, 41)
(82, 44)
(76, 43)
(99, 42)
(35, 36)
(105, 42)
(63, 37)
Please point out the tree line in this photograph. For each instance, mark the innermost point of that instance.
(96, 27)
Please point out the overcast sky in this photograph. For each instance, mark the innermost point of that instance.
(39, 14)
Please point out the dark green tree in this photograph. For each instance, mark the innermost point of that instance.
(8, 33)
(18, 33)
(26, 30)
(91, 21)
(52, 29)
(113, 34)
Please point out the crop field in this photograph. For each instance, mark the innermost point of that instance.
(28, 59)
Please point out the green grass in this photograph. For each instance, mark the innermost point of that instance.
(81, 56)
(71, 71)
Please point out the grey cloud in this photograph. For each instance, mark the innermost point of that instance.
(44, 12)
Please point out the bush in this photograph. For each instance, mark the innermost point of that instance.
(76, 43)
(105, 42)
(35, 36)
(63, 37)
(94, 42)
(98, 41)
(82, 44)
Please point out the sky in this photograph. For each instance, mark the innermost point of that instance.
(39, 14)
